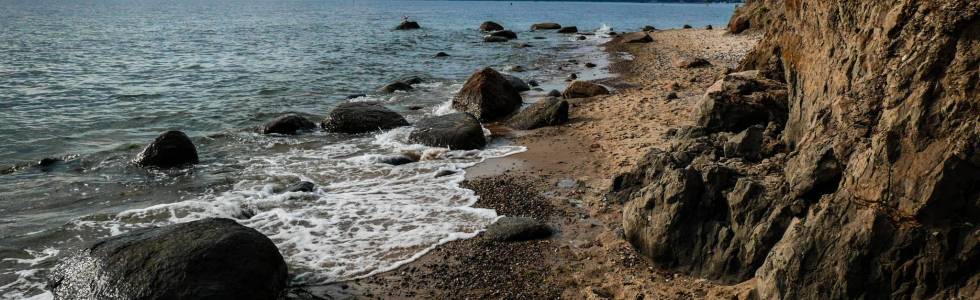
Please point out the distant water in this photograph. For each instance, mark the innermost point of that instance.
(90, 82)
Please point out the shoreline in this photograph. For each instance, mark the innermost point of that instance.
(562, 179)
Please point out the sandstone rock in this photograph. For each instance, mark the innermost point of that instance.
(205, 259)
(488, 95)
(583, 89)
(288, 124)
(737, 102)
(360, 117)
(514, 229)
(545, 26)
(510, 35)
(746, 144)
(457, 131)
(547, 112)
(490, 26)
(408, 25)
(568, 29)
(170, 149)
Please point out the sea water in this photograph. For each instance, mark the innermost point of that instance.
(88, 83)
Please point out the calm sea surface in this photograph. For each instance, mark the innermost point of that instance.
(90, 82)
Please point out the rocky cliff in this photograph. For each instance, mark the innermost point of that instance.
(847, 167)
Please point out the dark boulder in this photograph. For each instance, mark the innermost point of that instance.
(741, 100)
(581, 37)
(354, 96)
(488, 95)
(545, 26)
(510, 35)
(396, 160)
(408, 25)
(288, 124)
(442, 54)
(491, 26)
(396, 86)
(709, 27)
(568, 29)
(687, 26)
(636, 37)
(494, 39)
(583, 89)
(457, 131)
(515, 229)
(359, 117)
(554, 93)
(302, 186)
(746, 144)
(204, 259)
(590, 65)
(533, 82)
(691, 62)
(672, 96)
(517, 83)
(411, 80)
(169, 149)
(547, 112)
(649, 28)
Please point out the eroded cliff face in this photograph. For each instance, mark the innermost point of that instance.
(870, 187)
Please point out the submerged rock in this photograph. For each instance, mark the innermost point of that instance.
(547, 112)
(545, 26)
(442, 54)
(494, 39)
(204, 259)
(515, 229)
(396, 86)
(488, 95)
(491, 26)
(583, 89)
(457, 131)
(397, 160)
(169, 149)
(359, 117)
(568, 29)
(288, 124)
(408, 25)
(354, 96)
(510, 35)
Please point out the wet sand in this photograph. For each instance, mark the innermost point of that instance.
(562, 180)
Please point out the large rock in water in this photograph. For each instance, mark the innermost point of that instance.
(359, 117)
(169, 149)
(491, 26)
(517, 82)
(408, 25)
(545, 26)
(547, 112)
(488, 95)
(510, 35)
(205, 259)
(874, 193)
(457, 131)
(288, 124)
(583, 89)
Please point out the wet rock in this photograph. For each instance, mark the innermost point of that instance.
(411, 80)
(741, 100)
(48, 162)
(589, 65)
(554, 93)
(545, 26)
(494, 39)
(649, 28)
(539, 38)
(516, 69)
(415, 107)
(360, 117)
(635, 37)
(170, 149)
(397, 160)
(522, 45)
(581, 37)
(302, 186)
(515, 229)
(691, 62)
(354, 96)
(457, 131)
(547, 112)
(510, 35)
(583, 89)
(687, 26)
(443, 173)
(204, 259)
(517, 83)
(396, 86)
(442, 54)
(533, 82)
(488, 95)
(709, 27)
(746, 144)
(408, 25)
(571, 77)
(491, 26)
(568, 29)
(288, 124)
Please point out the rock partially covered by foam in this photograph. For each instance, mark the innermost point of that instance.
(457, 131)
(488, 95)
(288, 124)
(205, 259)
(360, 117)
(170, 149)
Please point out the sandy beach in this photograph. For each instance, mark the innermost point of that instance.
(562, 180)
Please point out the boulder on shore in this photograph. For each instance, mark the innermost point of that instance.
(408, 25)
(691, 62)
(649, 28)
(515, 229)
(583, 89)
(510, 35)
(545, 26)
(359, 117)
(517, 83)
(636, 37)
(488, 95)
(169, 149)
(547, 112)
(457, 131)
(568, 29)
(686, 26)
(491, 26)
(204, 259)
(288, 124)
